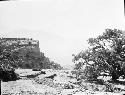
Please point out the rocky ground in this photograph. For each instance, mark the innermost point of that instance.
(59, 85)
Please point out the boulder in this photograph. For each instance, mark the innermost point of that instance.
(68, 86)
(36, 69)
(36, 74)
(51, 76)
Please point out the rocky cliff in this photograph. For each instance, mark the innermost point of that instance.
(23, 53)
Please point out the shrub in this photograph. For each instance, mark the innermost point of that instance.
(89, 73)
(8, 75)
(109, 87)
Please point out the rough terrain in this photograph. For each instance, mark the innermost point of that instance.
(60, 85)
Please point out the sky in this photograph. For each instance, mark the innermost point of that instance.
(61, 26)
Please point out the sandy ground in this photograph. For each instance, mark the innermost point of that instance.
(26, 86)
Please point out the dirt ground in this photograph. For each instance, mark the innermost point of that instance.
(43, 86)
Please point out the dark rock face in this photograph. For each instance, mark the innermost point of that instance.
(36, 70)
(43, 72)
(35, 75)
(8, 75)
(52, 76)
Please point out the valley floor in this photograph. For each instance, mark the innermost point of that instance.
(44, 86)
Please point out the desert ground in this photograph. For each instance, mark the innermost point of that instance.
(61, 84)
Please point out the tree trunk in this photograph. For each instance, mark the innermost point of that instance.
(114, 75)
(0, 85)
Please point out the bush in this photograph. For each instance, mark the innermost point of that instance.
(109, 87)
(89, 73)
(8, 75)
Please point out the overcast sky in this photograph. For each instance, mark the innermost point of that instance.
(61, 26)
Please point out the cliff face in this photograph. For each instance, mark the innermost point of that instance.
(19, 50)
(17, 43)
(23, 53)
